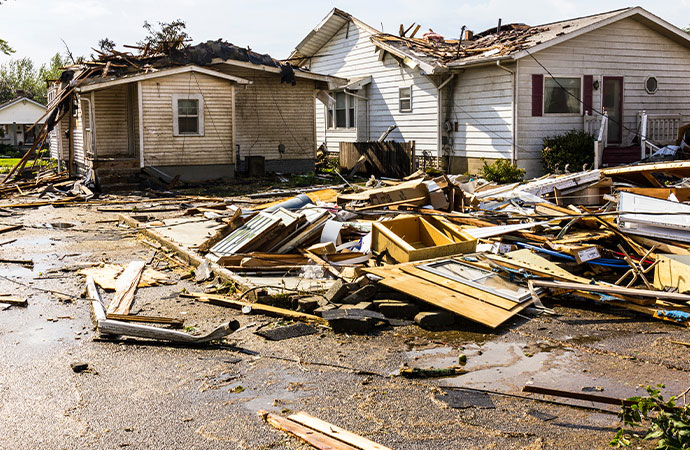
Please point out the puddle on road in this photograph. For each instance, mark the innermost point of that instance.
(507, 366)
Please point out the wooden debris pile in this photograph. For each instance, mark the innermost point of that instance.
(511, 39)
(430, 250)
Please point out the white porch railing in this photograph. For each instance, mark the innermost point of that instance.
(657, 130)
(599, 127)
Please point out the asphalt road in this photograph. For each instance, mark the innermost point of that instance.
(156, 396)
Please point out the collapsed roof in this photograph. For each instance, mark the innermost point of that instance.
(435, 54)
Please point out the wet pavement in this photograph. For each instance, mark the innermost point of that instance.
(155, 396)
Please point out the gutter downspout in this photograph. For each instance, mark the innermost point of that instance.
(439, 119)
(513, 157)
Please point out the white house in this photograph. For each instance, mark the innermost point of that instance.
(497, 94)
(16, 116)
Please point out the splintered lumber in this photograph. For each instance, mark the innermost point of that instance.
(10, 300)
(222, 300)
(308, 435)
(604, 289)
(23, 262)
(335, 431)
(177, 323)
(318, 260)
(578, 396)
(10, 228)
(125, 286)
(118, 328)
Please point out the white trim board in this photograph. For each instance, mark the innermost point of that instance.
(162, 73)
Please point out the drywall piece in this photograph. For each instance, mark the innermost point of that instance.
(646, 216)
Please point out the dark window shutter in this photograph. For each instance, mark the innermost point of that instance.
(537, 94)
(587, 81)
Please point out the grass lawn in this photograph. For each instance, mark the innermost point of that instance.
(6, 164)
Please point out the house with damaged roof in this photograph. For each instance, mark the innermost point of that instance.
(621, 75)
(198, 112)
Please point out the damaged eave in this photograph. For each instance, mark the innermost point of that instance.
(97, 85)
(425, 67)
(480, 62)
(298, 73)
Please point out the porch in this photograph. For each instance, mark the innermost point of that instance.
(653, 132)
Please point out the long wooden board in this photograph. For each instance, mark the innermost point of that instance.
(222, 300)
(469, 307)
(335, 431)
(311, 437)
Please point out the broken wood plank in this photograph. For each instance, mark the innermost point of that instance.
(125, 286)
(335, 431)
(177, 323)
(10, 228)
(311, 437)
(578, 396)
(11, 300)
(222, 300)
(23, 262)
(629, 292)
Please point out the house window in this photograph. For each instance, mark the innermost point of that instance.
(651, 85)
(562, 95)
(342, 113)
(405, 99)
(188, 115)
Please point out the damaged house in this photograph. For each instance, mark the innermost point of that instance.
(198, 112)
(621, 75)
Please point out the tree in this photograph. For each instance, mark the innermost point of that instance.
(22, 75)
(167, 33)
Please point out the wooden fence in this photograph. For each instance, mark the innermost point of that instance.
(383, 159)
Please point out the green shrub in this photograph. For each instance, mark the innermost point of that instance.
(574, 149)
(502, 171)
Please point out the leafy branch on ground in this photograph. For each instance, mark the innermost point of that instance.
(502, 171)
(666, 422)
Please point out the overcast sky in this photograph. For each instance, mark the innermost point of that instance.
(34, 27)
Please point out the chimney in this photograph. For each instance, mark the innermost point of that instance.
(468, 35)
(498, 28)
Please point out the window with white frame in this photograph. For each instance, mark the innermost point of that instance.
(562, 95)
(341, 113)
(405, 99)
(188, 115)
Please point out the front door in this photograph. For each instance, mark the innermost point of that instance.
(613, 104)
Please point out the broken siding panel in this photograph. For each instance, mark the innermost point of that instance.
(110, 107)
(483, 108)
(625, 48)
(79, 154)
(351, 54)
(269, 113)
(161, 148)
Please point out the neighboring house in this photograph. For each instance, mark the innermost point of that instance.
(197, 114)
(497, 94)
(16, 117)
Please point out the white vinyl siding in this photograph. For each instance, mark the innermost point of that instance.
(626, 48)
(483, 108)
(351, 54)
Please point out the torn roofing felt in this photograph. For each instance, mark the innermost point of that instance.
(117, 64)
